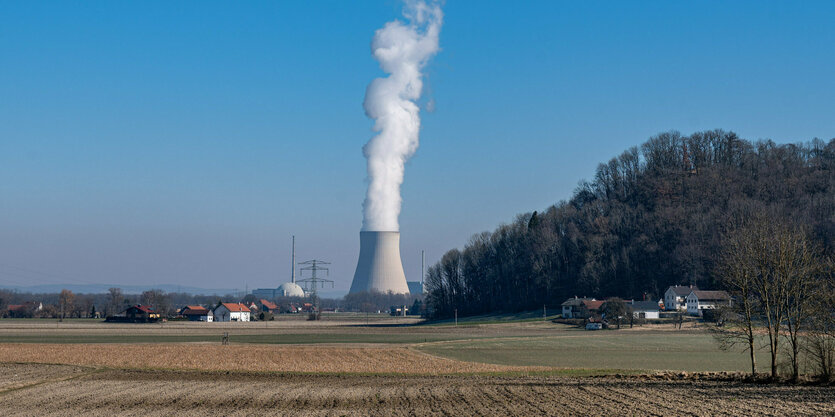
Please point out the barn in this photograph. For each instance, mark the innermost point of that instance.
(197, 313)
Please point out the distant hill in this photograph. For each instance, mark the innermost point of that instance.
(650, 218)
(127, 289)
(137, 289)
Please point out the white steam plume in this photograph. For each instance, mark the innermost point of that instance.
(402, 49)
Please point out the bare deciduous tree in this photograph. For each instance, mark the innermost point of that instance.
(820, 346)
(114, 301)
(736, 272)
(65, 303)
(615, 309)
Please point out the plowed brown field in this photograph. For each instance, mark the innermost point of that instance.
(300, 358)
(191, 393)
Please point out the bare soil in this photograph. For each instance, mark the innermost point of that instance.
(18, 375)
(246, 357)
(199, 393)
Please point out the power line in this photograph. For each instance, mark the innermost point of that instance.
(314, 266)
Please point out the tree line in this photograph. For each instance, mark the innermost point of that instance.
(67, 304)
(650, 218)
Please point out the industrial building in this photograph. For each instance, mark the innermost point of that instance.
(379, 267)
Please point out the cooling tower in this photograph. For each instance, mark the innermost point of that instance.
(379, 267)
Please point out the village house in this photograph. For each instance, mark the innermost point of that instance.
(645, 309)
(140, 314)
(268, 306)
(675, 297)
(231, 312)
(580, 308)
(27, 309)
(197, 313)
(698, 301)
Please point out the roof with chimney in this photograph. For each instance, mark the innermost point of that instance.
(236, 307)
(683, 290)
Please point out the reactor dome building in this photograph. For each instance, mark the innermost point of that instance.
(379, 267)
(290, 289)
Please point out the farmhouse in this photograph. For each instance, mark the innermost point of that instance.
(140, 314)
(231, 312)
(27, 309)
(580, 308)
(645, 309)
(197, 313)
(675, 297)
(697, 301)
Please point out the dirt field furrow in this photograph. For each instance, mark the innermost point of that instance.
(16, 376)
(645, 397)
(193, 393)
(613, 401)
(190, 393)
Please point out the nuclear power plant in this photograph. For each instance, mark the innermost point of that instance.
(379, 267)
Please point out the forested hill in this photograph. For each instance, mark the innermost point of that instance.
(650, 218)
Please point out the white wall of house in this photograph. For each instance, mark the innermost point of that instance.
(207, 318)
(674, 302)
(646, 314)
(223, 314)
(566, 312)
(695, 306)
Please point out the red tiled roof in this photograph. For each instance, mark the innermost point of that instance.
(144, 309)
(195, 311)
(236, 307)
(269, 305)
(593, 304)
(15, 307)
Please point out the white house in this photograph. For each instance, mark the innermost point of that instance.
(675, 297)
(697, 301)
(231, 312)
(645, 309)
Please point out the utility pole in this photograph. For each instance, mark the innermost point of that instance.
(293, 262)
(422, 269)
(314, 266)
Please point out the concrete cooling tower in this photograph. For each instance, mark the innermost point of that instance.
(379, 267)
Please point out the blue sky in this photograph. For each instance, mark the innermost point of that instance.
(184, 142)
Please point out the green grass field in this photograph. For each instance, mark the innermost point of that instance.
(678, 351)
(523, 339)
(523, 317)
